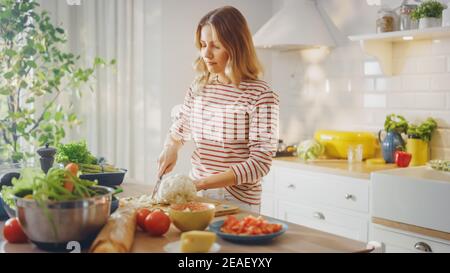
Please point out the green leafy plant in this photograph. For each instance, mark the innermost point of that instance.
(34, 72)
(422, 131)
(75, 152)
(395, 123)
(428, 8)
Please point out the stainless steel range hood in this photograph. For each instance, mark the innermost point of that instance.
(298, 25)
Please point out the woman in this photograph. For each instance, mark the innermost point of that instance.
(231, 115)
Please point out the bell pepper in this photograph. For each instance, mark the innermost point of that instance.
(402, 159)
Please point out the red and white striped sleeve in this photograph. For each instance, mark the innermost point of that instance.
(181, 129)
(263, 138)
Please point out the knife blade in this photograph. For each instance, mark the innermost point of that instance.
(155, 189)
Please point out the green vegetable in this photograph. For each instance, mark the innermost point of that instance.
(395, 123)
(75, 152)
(90, 168)
(422, 131)
(310, 149)
(428, 9)
(440, 165)
(48, 187)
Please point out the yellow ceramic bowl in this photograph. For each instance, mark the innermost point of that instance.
(192, 215)
(337, 142)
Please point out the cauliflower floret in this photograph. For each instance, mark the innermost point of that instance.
(176, 189)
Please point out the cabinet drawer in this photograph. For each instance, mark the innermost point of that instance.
(400, 241)
(325, 220)
(331, 190)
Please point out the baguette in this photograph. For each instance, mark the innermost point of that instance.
(117, 235)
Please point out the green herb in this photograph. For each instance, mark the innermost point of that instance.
(428, 9)
(75, 152)
(422, 131)
(395, 123)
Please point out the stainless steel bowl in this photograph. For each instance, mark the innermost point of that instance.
(60, 222)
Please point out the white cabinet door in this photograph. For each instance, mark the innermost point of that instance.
(324, 219)
(330, 190)
(402, 241)
(268, 205)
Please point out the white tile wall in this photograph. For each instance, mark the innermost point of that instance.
(416, 83)
(440, 82)
(355, 94)
(430, 101)
(388, 84)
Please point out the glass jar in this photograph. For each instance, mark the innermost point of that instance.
(406, 22)
(386, 20)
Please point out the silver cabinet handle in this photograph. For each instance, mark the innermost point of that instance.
(424, 247)
(349, 196)
(319, 215)
(291, 187)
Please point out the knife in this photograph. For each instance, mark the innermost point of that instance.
(155, 189)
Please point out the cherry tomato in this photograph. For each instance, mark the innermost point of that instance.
(13, 232)
(141, 215)
(157, 223)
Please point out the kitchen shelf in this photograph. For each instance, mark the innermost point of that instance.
(379, 45)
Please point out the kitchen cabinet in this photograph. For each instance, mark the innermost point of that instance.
(379, 45)
(410, 210)
(395, 240)
(327, 202)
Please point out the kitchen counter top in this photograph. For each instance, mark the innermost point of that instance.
(341, 167)
(296, 239)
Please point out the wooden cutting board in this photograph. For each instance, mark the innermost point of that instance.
(221, 208)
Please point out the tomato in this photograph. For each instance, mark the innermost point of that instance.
(250, 225)
(157, 223)
(141, 215)
(72, 168)
(13, 232)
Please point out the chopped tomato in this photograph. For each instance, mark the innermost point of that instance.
(249, 225)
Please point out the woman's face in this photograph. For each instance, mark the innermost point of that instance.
(212, 51)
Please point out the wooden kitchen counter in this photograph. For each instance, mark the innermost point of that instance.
(296, 239)
(332, 166)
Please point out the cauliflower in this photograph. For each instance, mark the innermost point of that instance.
(176, 189)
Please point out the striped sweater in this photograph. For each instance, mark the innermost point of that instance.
(233, 128)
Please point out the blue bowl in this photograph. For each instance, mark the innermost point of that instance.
(106, 179)
(3, 214)
(246, 239)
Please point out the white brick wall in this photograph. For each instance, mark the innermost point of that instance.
(354, 94)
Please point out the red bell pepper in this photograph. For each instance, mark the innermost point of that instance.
(402, 159)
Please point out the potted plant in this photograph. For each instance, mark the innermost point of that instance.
(418, 138)
(429, 14)
(35, 73)
(394, 126)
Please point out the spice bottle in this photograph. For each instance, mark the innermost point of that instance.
(386, 20)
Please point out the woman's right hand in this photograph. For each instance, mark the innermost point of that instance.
(168, 157)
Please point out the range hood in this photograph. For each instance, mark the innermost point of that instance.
(298, 25)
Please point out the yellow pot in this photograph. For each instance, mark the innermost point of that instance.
(337, 142)
(419, 150)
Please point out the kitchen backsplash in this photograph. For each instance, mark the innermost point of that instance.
(345, 90)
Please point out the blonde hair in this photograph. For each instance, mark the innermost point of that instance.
(234, 34)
